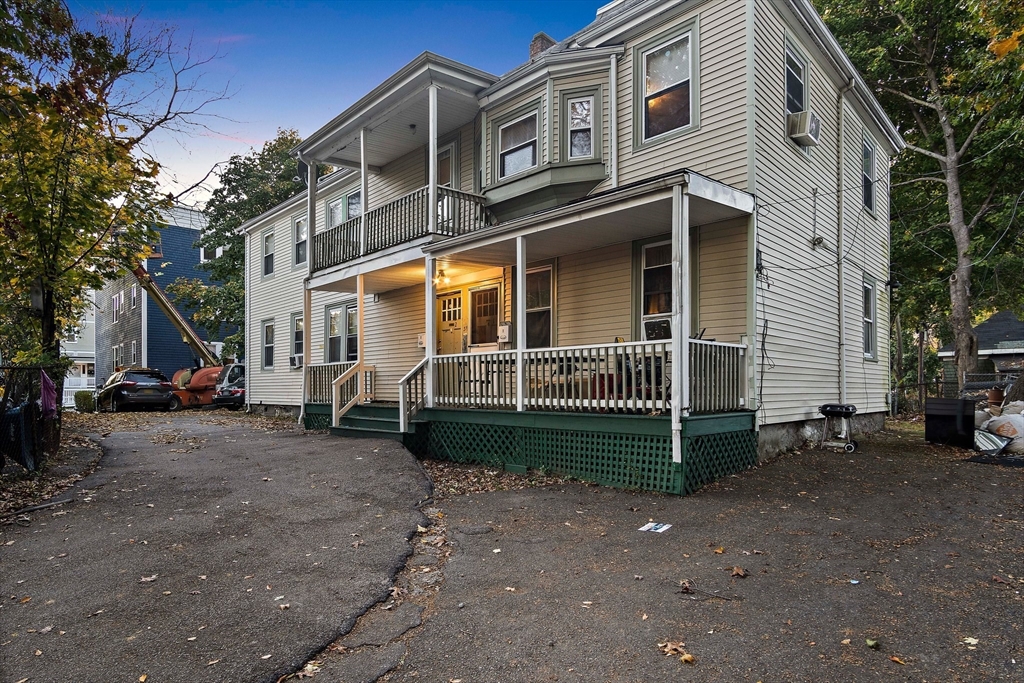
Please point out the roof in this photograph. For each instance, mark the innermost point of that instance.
(1001, 331)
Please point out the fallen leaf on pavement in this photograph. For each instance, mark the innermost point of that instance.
(24, 600)
(147, 579)
(212, 662)
(896, 659)
(971, 641)
(38, 652)
(688, 658)
(739, 571)
(421, 529)
(845, 641)
(143, 678)
(999, 579)
(873, 644)
(672, 648)
(719, 550)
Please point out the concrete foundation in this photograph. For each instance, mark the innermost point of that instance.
(274, 410)
(779, 438)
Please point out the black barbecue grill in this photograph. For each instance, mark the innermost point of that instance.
(837, 432)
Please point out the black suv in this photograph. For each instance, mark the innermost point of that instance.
(136, 387)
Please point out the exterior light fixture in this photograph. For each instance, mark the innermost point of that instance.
(441, 278)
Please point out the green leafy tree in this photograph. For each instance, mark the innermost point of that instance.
(250, 185)
(949, 74)
(78, 191)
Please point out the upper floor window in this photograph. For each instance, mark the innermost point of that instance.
(135, 296)
(117, 305)
(796, 82)
(268, 254)
(517, 144)
(581, 128)
(336, 212)
(300, 240)
(868, 174)
(354, 205)
(667, 78)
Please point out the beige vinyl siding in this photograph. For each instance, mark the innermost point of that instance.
(536, 94)
(399, 177)
(277, 298)
(722, 281)
(593, 295)
(801, 304)
(467, 148)
(719, 148)
(391, 327)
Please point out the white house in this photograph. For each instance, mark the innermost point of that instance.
(507, 268)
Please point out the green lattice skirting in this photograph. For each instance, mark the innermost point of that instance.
(614, 450)
(317, 416)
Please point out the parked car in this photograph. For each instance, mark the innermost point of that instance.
(231, 396)
(136, 387)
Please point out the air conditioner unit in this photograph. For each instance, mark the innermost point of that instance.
(804, 127)
(295, 361)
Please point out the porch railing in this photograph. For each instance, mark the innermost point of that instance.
(354, 386)
(319, 379)
(73, 385)
(717, 376)
(631, 377)
(412, 394)
(399, 221)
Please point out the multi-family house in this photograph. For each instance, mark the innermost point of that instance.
(651, 249)
(131, 329)
(79, 346)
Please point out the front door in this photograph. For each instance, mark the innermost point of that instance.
(484, 331)
(450, 333)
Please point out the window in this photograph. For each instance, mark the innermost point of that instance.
(870, 349)
(114, 360)
(156, 246)
(581, 127)
(868, 174)
(135, 296)
(135, 354)
(342, 333)
(268, 345)
(117, 306)
(538, 308)
(796, 89)
(336, 212)
(666, 89)
(72, 336)
(656, 297)
(444, 167)
(517, 142)
(268, 254)
(298, 327)
(484, 309)
(300, 240)
(354, 205)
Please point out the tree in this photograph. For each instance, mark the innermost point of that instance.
(949, 74)
(250, 185)
(78, 191)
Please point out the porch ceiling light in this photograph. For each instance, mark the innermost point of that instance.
(441, 278)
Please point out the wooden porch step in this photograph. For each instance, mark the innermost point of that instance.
(364, 433)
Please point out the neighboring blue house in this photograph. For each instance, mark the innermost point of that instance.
(130, 327)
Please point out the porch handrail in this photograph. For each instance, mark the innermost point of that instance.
(581, 347)
(717, 376)
(319, 378)
(412, 394)
(349, 390)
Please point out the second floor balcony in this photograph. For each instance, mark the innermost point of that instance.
(400, 221)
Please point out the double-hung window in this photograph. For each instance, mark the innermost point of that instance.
(135, 296)
(117, 306)
(667, 71)
(517, 144)
(300, 240)
(796, 82)
(581, 127)
(135, 353)
(656, 296)
(538, 308)
(268, 345)
(869, 315)
(336, 212)
(298, 327)
(354, 205)
(268, 254)
(868, 174)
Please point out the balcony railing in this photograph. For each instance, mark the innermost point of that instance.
(397, 222)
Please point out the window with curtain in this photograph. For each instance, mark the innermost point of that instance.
(517, 145)
(667, 87)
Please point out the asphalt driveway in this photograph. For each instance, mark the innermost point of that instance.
(205, 549)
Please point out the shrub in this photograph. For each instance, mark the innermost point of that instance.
(85, 401)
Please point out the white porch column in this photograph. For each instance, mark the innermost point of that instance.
(430, 299)
(364, 198)
(307, 295)
(680, 316)
(432, 162)
(520, 321)
(361, 310)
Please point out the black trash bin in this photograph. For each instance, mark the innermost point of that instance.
(949, 421)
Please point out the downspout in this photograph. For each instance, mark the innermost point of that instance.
(841, 238)
(613, 119)
(248, 320)
(307, 305)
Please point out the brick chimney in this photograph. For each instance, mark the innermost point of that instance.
(540, 42)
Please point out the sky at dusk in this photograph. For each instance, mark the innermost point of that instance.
(299, 64)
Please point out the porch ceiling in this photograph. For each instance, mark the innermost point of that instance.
(389, 112)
